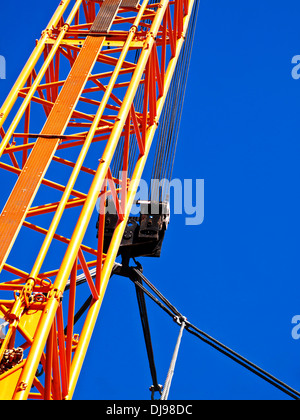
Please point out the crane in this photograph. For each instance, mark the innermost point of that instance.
(77, 129)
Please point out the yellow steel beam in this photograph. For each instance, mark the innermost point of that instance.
(33, 59)
(48, 321)
(119, 230)
(8, 104)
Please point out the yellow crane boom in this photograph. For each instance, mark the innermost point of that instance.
(71, 106)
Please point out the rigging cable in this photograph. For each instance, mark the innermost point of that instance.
(168, 130)
(167, 386)
(169, 309)
(146, 330)
(138, 106)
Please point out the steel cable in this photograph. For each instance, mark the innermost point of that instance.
(171, 116)
(169, 309)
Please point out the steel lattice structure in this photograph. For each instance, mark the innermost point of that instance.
(61, 124)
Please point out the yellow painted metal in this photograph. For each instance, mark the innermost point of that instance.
(57, 286)
(69, 187)
(9, 381)
(33, 59)
(40, 158)
(29, 322)
(40, 325)
(119, 231)
(27, 71)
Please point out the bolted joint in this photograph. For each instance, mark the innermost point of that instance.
(66, 27)
(27, 291)
(154, 389)
(22, 386)
(46, 33)
(133, 29)
(55, 294)
(150, 36)
(180, 320)
(22, 300)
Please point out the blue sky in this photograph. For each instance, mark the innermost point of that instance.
(235, 276)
